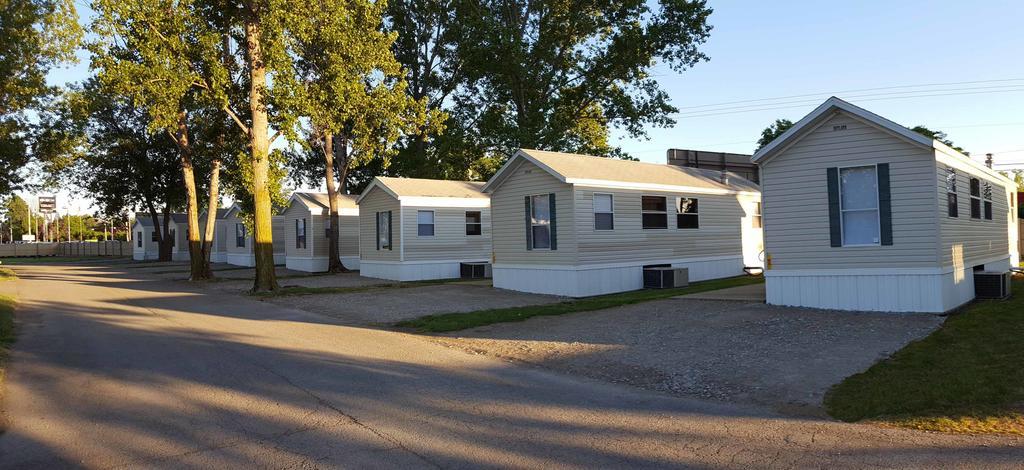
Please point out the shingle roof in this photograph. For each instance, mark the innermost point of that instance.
(321, 201)
(147, 221)
(419, 187)
(598, 171)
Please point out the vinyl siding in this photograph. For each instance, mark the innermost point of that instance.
(719, 233)
(966, 242)
(795, 194)
(277, 230)
(508, 221)
(348, 243)
(450, 241)
(233, 247)
(375, 201)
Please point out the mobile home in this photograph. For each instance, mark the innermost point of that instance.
(862, 213)
(145, 245)
(579, 225)
(240, 243)
(415, 229)
(306, 220)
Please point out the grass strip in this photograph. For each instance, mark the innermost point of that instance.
(459, 321)
(967, 376)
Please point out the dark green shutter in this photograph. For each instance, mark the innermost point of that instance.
(835, 229)
(376, 230)
(884, 204)
(529, 228)
(554, 226)
(391, 231)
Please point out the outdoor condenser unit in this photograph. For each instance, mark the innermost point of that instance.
(475, 270)
(992, 285)
(665, 277)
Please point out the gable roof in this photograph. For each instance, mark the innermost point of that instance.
(319, 204)
(614, 173)
(147, 221)
(825, 111)
(420, 188)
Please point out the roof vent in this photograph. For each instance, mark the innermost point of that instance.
(725, 177)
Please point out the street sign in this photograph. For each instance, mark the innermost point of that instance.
(47, 204)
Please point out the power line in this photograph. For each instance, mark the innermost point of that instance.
(1002, 80)
(689, 116)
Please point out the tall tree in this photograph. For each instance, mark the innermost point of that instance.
(939, 136)
(17, 214)
(35, 36)
(772, 132)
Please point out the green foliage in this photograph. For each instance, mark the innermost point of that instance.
(772, 132)
(16, 211)
(939, 136)
(35, 36)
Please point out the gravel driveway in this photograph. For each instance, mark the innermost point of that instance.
(392, 304)
(747, 352)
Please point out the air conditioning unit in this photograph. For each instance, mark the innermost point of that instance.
(481, 270)
(665, 277)
(992, 285)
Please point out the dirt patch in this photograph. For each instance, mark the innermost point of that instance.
(732, 351)
(224, 284)
(389, 305)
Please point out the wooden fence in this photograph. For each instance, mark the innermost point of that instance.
(72, 249)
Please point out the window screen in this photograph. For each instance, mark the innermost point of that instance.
(858, 202)
(474, 223)
(654, 214)
(604, 217)
(425, 223)
(540, 221)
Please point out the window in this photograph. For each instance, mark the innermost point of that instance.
(540, 221)
(174, 237)
(858, 204)
(139, 238)
(384, 230)
(604, 212)
(951, 201)
(474, 223)
(756, 220)
(653, 212)
(975, 198)
(300, 234)
(986, 198)
(155, 236)
(686, 213)
(425, 223)
(240, 235)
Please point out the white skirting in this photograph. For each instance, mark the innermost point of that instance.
(412, 270)
(929, 290)
(241, 259)
(350, 262)
(584, 281)
(145, 255)
(306, 264)
(279, 259)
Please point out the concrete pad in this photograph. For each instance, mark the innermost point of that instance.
(748, 293)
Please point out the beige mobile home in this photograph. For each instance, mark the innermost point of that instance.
(307, 245)
(240, 243)
(414, 229)
(579, 225)
(145, 245)
(862, 213)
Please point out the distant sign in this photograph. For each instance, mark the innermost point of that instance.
(28, 238)
(47, 204)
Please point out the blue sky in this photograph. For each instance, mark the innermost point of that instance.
(766, 50)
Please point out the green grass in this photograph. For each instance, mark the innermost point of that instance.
(968, 376)
(301, 290)
(460, 321)
(7, 275)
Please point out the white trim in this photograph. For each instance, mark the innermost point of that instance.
(880, 271)
(584, 267)
(430, 201)
(430, 261)
(401, 233)
(656, 187)
(594, 212)
(533, 240)
(432, 224)
(467, 224)
(376, 183)
(877, 209)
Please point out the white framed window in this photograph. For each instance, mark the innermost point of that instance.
(654, 212)
(139, 238)
(952, 207)
(975, 198)
(687, 216)
(540, 221)
(604, 211)
(300, 234)
(384, 230)
(474, 223)
(756, 221)
(425, 223)
(986, 200)
(858, 206)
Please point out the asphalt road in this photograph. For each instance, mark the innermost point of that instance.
(113, 371)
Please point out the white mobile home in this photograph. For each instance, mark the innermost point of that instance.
(579, 225)
(415, 229)
(145, 245)
(864, 214)
(307, 245)
(219, 250)
(240, 243)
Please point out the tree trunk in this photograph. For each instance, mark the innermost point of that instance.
(259, 144)
(211, 212)
(166, 241)
(162, 253)
(334, 264)
(200, 265)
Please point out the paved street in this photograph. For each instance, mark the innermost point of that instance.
(113, 370)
